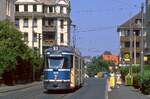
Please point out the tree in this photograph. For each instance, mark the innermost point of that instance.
(14, 54)
(11, 46)
(97, 65)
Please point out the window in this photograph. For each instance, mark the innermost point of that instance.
(51, 22)
(49, 35)
(62, 24)
(127, 44)
(127, 33)
(25, 7)
(136, 32)
(50, 9)
(34, 8)
(17, 22)
(46, 22)
(35, 37)
(62, 38)
(137, 44)
(61, 9)
(138, 21)
(137, 55)
(25, 22)
(17, 7)
(35, 22)
(26, 37)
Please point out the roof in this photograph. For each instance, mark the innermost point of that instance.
(51, 2)
(46, 2)
(132, 22)
(68, 49)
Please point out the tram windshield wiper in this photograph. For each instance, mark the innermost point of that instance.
(55, 62)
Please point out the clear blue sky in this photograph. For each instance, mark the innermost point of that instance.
(97, 22)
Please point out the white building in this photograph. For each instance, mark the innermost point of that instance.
(43, 22)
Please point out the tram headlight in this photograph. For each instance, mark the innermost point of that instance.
(48, 53)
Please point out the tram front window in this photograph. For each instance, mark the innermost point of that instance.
(55, 62)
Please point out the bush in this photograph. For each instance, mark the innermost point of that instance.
(136, 80)
(146, 82)
(125, 70)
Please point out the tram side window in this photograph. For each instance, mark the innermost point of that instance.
(76, 62)
(65, 65)
(71, 61)
(45, 62)
(67, 61)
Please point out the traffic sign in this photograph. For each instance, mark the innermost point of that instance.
(127, 57)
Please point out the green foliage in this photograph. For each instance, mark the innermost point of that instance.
(136, 80)
(10, 45)
(139, 81)
(97, 65)
(125, 70)
(146, 82)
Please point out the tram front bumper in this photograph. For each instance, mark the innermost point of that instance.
(54, 85)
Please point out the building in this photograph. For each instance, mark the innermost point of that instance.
(7, 10)
(130, 40)
(147, 23)
(43, 22)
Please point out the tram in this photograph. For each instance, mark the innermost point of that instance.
(63, 68)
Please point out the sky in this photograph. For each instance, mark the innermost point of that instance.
(97, 21)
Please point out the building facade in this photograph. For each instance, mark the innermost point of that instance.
(147, 23)
(7, 10)
(130, 40)
(43, 22)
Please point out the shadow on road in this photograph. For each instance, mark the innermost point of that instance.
(61, 91)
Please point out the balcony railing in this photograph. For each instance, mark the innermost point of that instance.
(30, 14)
(49, 42)
(49, 28)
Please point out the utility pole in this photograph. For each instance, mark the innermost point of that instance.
(131, 47)
(142, 39)
(134, 35)
(33, 30)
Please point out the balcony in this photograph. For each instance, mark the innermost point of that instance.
(29, 14)
(49, 28)
(127, 38)
(124, 38)
(128, 50)
(49, 42)
(54, 15)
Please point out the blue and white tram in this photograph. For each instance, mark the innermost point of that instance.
(63, 68)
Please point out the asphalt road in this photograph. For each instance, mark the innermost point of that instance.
(93, 89)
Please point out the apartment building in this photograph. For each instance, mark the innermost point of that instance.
(147, 23)
(7, 10)
(43, 22)
(130, 40)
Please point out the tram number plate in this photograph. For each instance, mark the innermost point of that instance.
(55, 73)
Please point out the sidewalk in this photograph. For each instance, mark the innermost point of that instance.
(4, 89)
(126, 93)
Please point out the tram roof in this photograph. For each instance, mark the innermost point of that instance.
(68, 49)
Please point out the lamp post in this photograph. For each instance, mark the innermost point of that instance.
(142, 41)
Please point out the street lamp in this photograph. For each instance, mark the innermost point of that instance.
(142, 41)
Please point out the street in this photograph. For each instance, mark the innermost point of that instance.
(93, 88)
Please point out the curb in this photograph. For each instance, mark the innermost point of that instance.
(20, 87)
